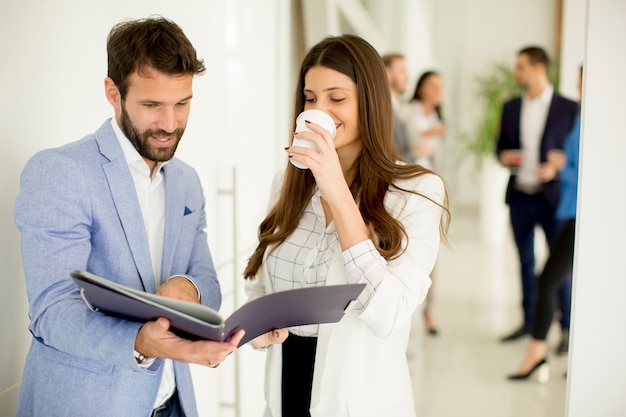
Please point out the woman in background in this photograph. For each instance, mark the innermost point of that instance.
(357, 215)
(424, 122)
(422, 116)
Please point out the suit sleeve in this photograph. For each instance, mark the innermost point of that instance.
(569, 173)
(504, 139)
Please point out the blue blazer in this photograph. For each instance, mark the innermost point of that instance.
(77, 209)
(561, 116)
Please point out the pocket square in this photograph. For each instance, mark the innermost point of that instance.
(187, 211)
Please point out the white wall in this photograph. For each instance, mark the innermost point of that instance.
(597, 374)
(53, 67)
(573, 45)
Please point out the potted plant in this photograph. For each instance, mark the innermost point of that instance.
(493, 88)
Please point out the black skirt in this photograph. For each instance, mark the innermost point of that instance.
(297, 375)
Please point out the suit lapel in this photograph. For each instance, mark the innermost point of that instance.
(174, 211)
(125, 199)
(552, 113)
(517, 117)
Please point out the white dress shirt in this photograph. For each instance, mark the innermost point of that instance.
(151, 196)
(534, 114)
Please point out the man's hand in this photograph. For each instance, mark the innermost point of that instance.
(557, 158)
(555, 162)
(180, 288)
(547, 172)
(155, 340)
(511, 157)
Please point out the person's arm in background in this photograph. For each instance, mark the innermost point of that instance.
(569, 173)
(506, 153)
(563, 164)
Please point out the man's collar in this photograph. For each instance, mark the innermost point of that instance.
(545, 96)
(130, 153)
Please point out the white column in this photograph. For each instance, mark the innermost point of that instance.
(573, 45)
(597, 374)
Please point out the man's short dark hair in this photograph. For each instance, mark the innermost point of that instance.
(155, 43)
(536, 55)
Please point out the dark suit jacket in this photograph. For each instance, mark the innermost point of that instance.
(561, 116)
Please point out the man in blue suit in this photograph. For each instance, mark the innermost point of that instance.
(118, 204)
(531, 126)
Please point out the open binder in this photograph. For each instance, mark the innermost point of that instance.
(296, 307)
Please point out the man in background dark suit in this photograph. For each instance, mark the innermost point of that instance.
(532, 125)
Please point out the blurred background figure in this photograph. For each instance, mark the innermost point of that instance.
(425, 129)
(532, 125)
(398, 77)
(423, 119)
(558, 267)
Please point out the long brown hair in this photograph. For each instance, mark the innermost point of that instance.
(417, 94)
(377, 162)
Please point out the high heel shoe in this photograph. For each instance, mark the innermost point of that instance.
(431, 329)
(543, 373)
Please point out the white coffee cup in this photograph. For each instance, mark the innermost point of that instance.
(314, 116)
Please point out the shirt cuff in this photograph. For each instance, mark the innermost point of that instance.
(362, 258)
(145, 363)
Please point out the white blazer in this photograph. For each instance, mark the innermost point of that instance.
(360, 364)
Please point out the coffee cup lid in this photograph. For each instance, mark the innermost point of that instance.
(319, 117)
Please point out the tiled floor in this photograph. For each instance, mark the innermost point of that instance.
(462, 371)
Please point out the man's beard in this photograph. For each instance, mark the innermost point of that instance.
(141, 140)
